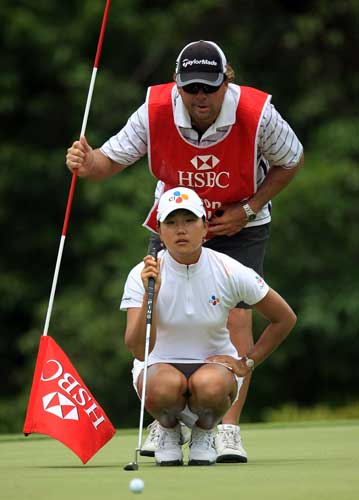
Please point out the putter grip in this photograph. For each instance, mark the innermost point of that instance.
(151, 288)
(153, 248)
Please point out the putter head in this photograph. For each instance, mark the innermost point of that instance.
(131, 466)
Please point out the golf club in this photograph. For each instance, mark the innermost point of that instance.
(153, 248)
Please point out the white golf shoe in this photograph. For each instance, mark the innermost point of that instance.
(201, 448)
(229, 446)
(150, 445)
(169, 449)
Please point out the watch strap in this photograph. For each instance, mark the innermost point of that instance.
(250, 214)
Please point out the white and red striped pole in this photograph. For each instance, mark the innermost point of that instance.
(74, 174)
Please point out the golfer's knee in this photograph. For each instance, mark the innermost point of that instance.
(166, 389)
(208, 389)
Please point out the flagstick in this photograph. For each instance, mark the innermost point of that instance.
(74, 173)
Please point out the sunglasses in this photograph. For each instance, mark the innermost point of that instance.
(194, 88)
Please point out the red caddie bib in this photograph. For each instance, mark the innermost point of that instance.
(223, 173)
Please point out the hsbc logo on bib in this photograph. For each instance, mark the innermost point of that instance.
(204, 162)
(205, 175)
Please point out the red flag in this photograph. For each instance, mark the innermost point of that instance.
(61, 406)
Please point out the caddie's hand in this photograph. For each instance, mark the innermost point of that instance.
(237, 365)
(80, 155)
(151, 270)
(230, 219)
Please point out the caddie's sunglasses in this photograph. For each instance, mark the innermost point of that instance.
(194, 88)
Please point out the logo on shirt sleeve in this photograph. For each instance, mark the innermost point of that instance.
(260, 281)
(126, 299)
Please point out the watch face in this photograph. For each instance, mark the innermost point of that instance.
(250, 363)
(251, 217)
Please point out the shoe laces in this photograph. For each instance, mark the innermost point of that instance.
(169, 438)
(203, 438)
(231, 438)
(155, 431)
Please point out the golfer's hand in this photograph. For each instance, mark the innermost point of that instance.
(238, 366)
(151, 270)
(231, 221)
(80, 155)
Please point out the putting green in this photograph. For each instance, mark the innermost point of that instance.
(311, 461)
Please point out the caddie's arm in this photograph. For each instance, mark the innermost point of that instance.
(276, 180)
(281, 321)
(91, 163)
(233, 216)
(135, 335)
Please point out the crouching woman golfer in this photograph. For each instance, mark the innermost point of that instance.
(193, 369)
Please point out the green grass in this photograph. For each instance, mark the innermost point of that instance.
(305, 461)
(295, 413)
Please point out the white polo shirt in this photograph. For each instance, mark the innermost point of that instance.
(193, 305)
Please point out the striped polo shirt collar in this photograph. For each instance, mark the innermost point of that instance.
(226, 117)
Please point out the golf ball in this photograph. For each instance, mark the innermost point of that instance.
(136, 485)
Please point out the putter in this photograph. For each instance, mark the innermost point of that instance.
(154, 247)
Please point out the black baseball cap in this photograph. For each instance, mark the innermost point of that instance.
(201, 62)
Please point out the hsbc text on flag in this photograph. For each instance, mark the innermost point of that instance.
(73, 388)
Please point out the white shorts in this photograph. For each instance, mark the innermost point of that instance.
(186, 416)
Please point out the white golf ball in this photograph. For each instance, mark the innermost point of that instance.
(136, 485)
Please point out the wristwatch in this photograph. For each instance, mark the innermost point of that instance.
(250, 214)
(249, 362)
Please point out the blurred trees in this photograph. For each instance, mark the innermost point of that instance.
(302, 54)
